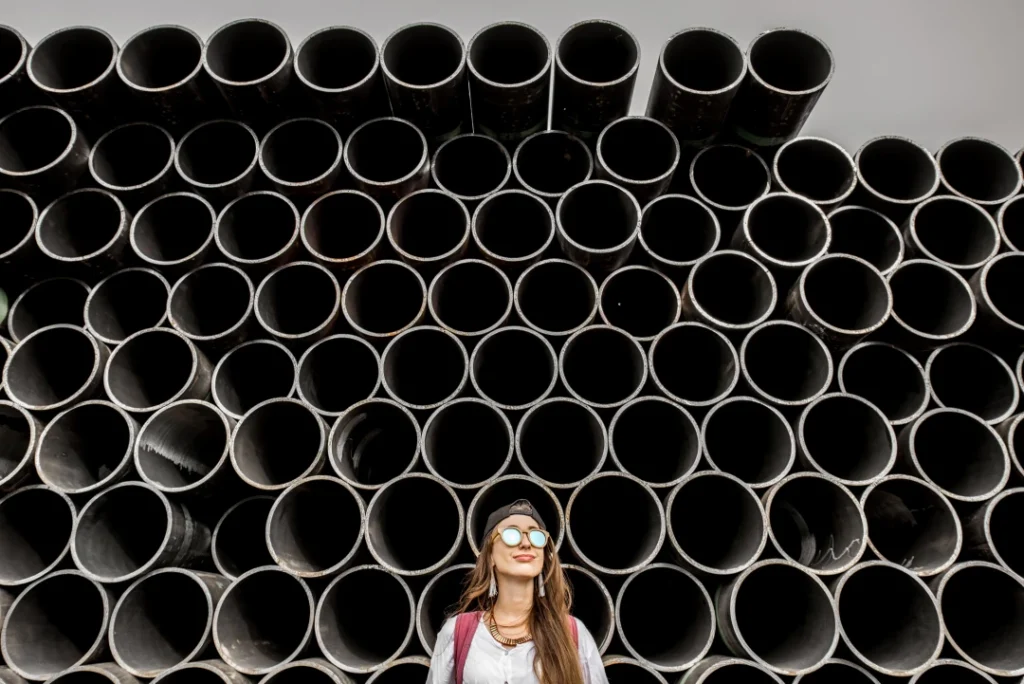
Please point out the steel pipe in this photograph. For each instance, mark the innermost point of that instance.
(305, 281)
(424, 67)
(126, 302)
(311, 670)
(343, 250)
(730, 291)
(952, 671)
(596, 62)
(1014, 444)
(733, 530)
(931, 304)
(340, 618)
(592, 604)
(373, 442)
(202, 672)
(669, 249)
(409, 668)
(514, 368)
(562, 316)
(781, 616)
(815, 168)
(725, 670)
(315, 526)
(640, 154)
(846, 437)
(173, 233)
(85, 231)
(392, 534)
(8, 676)
(467, 443)
(471, 167)
(697, 385)
(512, 488)
(838, 671)
(952, 231)
(513, 229)
(655, 440)
(982, 466)
(988, 532)
(183, 449)
(212, 306)
(258, 232)
(387, 159)
(86, 448)
(588, 517)
(135, 161)
(424, 367)
(786, 232)
(548, 163)
(56, 624)
(894, 175)
(301, 158)
(277, 443)
(729, 178)
(101, 672)
(972, 378)
(785, 364)
(470, 298)
(19, 253)
(912, 524)
(46, 303)
(598, 223)
(868, 234)
(440, 594)
(15, 91)
(251, 373)
(561, 443)
(384, 299)
(1000, 317)
(217, 159)
(759, 454)
(1010, 220)
(239, 542)
(620, 668)
(337, 372)
(887, 377)
(165, 619)
(42, 151)
(429, 229)
(35, 534)
(337, 70)
(602, 366)
(979, 170)
(888, 618)
(153, 368)
(639, 300)
(54, 368)
(254, 633)
(673, 647)
(815, 521)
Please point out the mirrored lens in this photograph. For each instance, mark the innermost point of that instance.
(538, 538)
(511, 536)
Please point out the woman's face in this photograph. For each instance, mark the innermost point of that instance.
(522, 560)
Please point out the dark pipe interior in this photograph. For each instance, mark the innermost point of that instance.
(552, 162)
(641, 301)
(980, 170)
(817, 523)
(786, 362)
(439, 599)
(211, 300)
(866, 234)
(217, 152)
(301, 673)
(980, 465)
(471, 166)
(342, 225)
(247, 50)
(84, 446)
(428, 225)
(19, 217)
(790, 60)
(253, 373)
(1012, 223)
(277, 442)
(191, 674)
(374, 443)
(624, 672)
(598, 52)
(509, 53)
(51, 367)
(598, 216)
(562, 441)
(730, 176)
(816, 169)
(132, 155)
(16, 445)
(393, 524)
(401, 673)
(655, 440)
(787, 228)
(386, 150)
(161, 57)
(239, 542)
(1003, 283)
(1003, 530)
(952, 672)
(897, 169)
(759, 452)
(575, 305)
(316, 288)
(847, 438)
(182, 444)
(638, 149)
(338, 372)
(470, 297)
(746, 672)
(384, 297)
(603, 365)
(679, 229)
(512, 489)
(173, 227)
(834, 672)
(57, 300)
(80, 224)
(257, 226)
(150, 369)
(703, 60)
(732, 522)
(425, 366)
(423, 54)
(888, 378)
(127, 302)
(335, 58)
(122, 529)
(957, 232)
(983, 610)
(637, 510)
(32, 139)
(35, 530)
(591, 603)
(677, 642)
(13, 50)
(315, 526)
(514, 367)
(467, 442)
(72, 58)
(911, 524)
(513, 225)
(301, 151)
(695, 363)
(930, 299)
(733, 288)
(364, 617)
(973, 379)
(847, 294)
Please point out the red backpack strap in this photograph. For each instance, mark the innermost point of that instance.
(465, 628)
(575, 631)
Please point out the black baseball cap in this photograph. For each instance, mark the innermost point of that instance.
(519, 507)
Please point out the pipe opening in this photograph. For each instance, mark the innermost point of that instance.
(302, 282)
(952, 672)
(84, 446)
(72, 58)
(514, 368)
(173, 228)
(575, 305)
(820, 170)
(890, 618)
(551, 162)
(1002, 284)
(675, 368)
(887, 377)
(257, 227)
(276, 443)
(866, 234)
(401, 672)
(374, 442)
(729, 176)
(131, 156)
(338, 372)
(703, 60)
(263, 620)
(467, 442)
(791, 60)
(1002, 530)
(980, 170)
(246, 51)
(57, 300)
(252, 373)
(622, 670)
(931, 300)
(598, 216)
(33, 138)
(561, 442)
(52, 366)
(80, 224)
(384, 298)
(12, 51)
(210, 301)
(35, 533)
(981, 609)
(639, 300)
(300, 151)
(654, 440)
(512, 488)
(680, 643)
(732, 531)
(817, 523)
(315, 526)
(440, 596)
(336, 58)
(386, 150)
(239, 540)
(678, 230)
(471, 166)
(19, 212)
(598, 52)
(423, 54)
(90, 675)
(424, 367)
(181, 445)
(746, 672)
(1011, 223)
(161, 57)
(788, 363)
(302, 672)
(911, 524)
(150, 369)
(733, 288)
(847, 438)
(470, 297)
(589, 518)
(898, 169)
(55, 624)
(638, 149)
(342, 225)
(603, 366)
(839, 672)
(216, 153)
(760, 453)
(513, 226)
(787, 229)
(974, 379)
(125, 303)
(121, 530)
(981, 466)
(509, 53)
(954, 231)
(428, 225)
(393, 520)
(591, 604)
(341, 618)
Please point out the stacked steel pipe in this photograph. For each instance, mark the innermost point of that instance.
(287, 324)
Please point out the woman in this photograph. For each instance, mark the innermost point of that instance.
(513, 624)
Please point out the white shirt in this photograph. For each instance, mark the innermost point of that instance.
(489, 662)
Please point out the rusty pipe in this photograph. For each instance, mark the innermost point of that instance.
(301, 158)
(670, 250)
(85, 231)
(277, 443)
(639, 300)
(470, 298)
(598, 223)
(212, 306)
(35, 534)
(154, 367)
(305, 281)
(548, 163)
(383, 299)
(251, 373)
(135, 161)
(640, 154)
(785, 364)
(978, 170)
(218, 159)
(561, 443)
(655, 440)
(126, 302)
(729, 291)
(729, 178)
(43, 152)
(815, 168)
(868, 234)
(387, 159)
(846, 437)
(45, 303)
(512, 488)
(239, 541)
(467, 443)
(894, 175)
(374, 442)
(423, 367)
(562, 316)
(337, 372)
(54, 368)
(173, 233)
(952, 231)
(514, 368)
(345, 250)
(471, 167)
(672, 357)
(972, 378)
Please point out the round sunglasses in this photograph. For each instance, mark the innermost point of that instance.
(512, 536)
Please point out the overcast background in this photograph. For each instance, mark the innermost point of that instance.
(930, 70)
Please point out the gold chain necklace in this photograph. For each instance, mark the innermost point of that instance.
(504, 640)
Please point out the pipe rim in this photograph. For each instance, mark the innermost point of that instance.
(484, 332)
(749, 242)
(985, 141)
(460, 386)
(205, 665)
(176, 325)
(1009, 429)
(407, 660)
(832, 201)
(511, 261)
(552, 333)
(459, 248)
(820, 322)
(551, 196)
(22, 58)
(129, 188)
(382, 336)
(342, 261)
(316, 461)
(630, 73)
(344, 89)
(932, 337)
(426, 86)
(99, 352)
(216, 557)
(215, 470)
(134, 230)
(30, 234)
(74, 138)
(867, 674)
(727, 207)
(472, 198)
(610, 660)
(478, 497)
(989, 509)
(223, 185)
(115, 50)
(594, 404)
(92, 294)
(717, 322)
(673, 197)
(607, 599)
(719, 662)
(427, 461)
(816, 89)
(647, 269)
(312, 349)
(15, 307)
(194, 372)
(886, 272)
(161, 89)
(782, 421)
(919, 246)
(544, 70)
(982, 276)
(234, 259)
(220, 364)
(459, 567)
(308, 334)
(924, 153)
(122, 226)
(563, 234)
(618, 177)
(518, 329)
(393, 120)
(539, 406)
(952, 662)
(1007, 414)
(664, 71)
(332, 456)
(610, 441)
(818, 468)
(1001, 222)
(63, 554)
(698, 403)
(303, 184)
(763, 395)
(285, 60)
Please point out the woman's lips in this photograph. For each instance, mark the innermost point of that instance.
(524, 558)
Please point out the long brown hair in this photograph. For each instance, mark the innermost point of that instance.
(556, 660)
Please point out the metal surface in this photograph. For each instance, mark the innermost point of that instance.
(213, 307)
(45, 303)
(670, 250)
(729, 178)
(677, 373)
(815, 168)
(337, 372)
(126, 302)
(251, 373)
(513, 229)
(972, 378)
(931, 304)
(729, 291)
(560, 317)
(173, 233)
(298, 327)
(301, 158)
(387, 159)
(868, 234)
(54, 368)
(424, 367)
(471, 298)
(548, 163)
(467, 442)
(471, 167)
(887, 377)
(19, 252)
(384, 299)
(723, 669)
(785, 364)
(218, 159)
(847, 438)
(352, 248)
(515, 368)
(988, 531)
(135, 161)
(43, 151)
(374, 442)
(761, 453)
(85, 231)
(951, 231)
(1000, 321)
(978, 170)
(258, 232)
(639, 300)
(894, 175)
(153, 368)
(239, 542)
(1010, 220)
(561, 442)
(439, 595)
(429, 229)
(15, 91)
(640, 154)
(277, 443)
(602, 366)
(35, 534)
(786, 232)
(655, 440)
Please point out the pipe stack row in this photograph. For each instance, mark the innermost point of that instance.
(286, 325)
